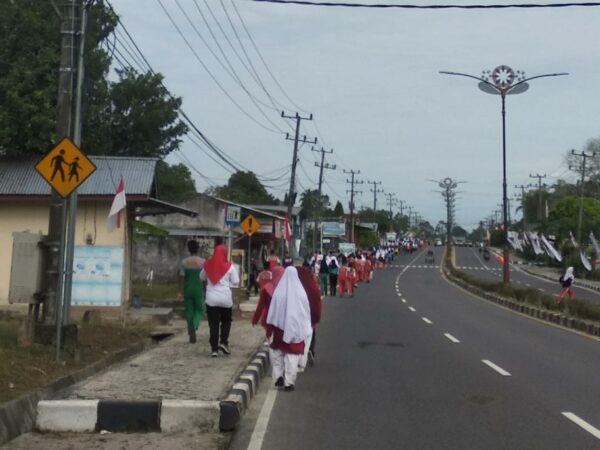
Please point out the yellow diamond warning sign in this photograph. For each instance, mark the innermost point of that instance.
(250, 225)
(65, 167)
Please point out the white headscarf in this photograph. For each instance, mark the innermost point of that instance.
(569, 274)
(289, 309)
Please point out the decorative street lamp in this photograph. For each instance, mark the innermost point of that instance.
(503, 81)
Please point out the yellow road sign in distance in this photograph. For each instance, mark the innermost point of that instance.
(250, 225)
(65, 167)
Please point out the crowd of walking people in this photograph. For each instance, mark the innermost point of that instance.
(290, 299)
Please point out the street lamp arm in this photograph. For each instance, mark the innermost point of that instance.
(470, 76)
(538, 76)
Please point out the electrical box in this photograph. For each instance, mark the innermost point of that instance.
(26, 268)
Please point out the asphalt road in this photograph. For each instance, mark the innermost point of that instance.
(469, 260)
(425, 365)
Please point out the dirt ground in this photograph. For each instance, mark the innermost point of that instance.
(31, 367)
(120, 441)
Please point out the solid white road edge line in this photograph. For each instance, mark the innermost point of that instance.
(498, 369)
(412, 309)
(426, 320)
(452, 338)
(583, 424)
(258, 435)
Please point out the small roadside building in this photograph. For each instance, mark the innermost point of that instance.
(102, 261)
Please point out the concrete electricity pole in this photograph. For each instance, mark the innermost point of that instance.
(291, 193)
(352, 191)
(584, 157)
(321, 166)
(375, 191)
(540, 213)
(55, 241)
(523, 187)
(391, 202)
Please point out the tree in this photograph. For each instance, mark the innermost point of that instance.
(565, 215)
(175, 183)
(338, 210)
(312, 206)
(134, 116)
(244, 187)
(141, 118)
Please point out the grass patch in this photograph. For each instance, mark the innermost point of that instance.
(26, 369)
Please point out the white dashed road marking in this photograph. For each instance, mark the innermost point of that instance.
(583, 424)
(452, 338)
(426, 320)
(412, 309)
(498, 369)
(403, 300)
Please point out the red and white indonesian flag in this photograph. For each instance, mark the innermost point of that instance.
(118, 204)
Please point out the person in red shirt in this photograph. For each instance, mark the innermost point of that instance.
(273, 260)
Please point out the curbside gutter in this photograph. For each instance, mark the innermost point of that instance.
(155, 415)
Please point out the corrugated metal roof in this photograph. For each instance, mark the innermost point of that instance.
(19, 177)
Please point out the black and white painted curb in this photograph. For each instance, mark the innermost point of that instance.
(155, 415)
(239, 396)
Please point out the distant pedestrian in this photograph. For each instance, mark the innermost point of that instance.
(566, 280)
(191, 288)
(220, 276)
(273, 260)
(323, 275)
(253, 277)
(334, 268)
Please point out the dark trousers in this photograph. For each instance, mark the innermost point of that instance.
(333, 277)
(218, 315)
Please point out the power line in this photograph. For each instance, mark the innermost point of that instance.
(448, 6)
(263, 60)
(211, 75)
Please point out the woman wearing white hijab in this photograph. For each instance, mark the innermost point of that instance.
(289, 324)
(566, 281)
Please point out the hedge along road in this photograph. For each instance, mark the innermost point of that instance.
(422, 364)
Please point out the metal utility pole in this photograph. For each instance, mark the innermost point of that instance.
(375, 191)
(352, 191)
(584, 157)
(321, 166)
(55, 241)
(401, 202)
(291, 193)
(540, 213)
(391, 202)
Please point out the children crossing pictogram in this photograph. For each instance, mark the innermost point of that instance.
(65, 167)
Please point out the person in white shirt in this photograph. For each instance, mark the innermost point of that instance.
(220, 276)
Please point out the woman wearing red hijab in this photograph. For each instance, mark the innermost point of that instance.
(220, 276)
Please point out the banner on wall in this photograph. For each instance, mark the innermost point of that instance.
(97, 275)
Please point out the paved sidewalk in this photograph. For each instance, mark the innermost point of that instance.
(174, 370)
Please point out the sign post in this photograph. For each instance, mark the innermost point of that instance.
(232, 218)
(250, 225)
(65, 167)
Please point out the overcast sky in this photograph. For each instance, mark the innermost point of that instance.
(370, 77)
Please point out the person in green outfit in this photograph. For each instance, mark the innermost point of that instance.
(191, 288)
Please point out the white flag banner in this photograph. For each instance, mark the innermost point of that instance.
(595, 244)
(573, 241)
(552, 251)
(514, 241)
(585, 261)
(535, 243)
(114, 216)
